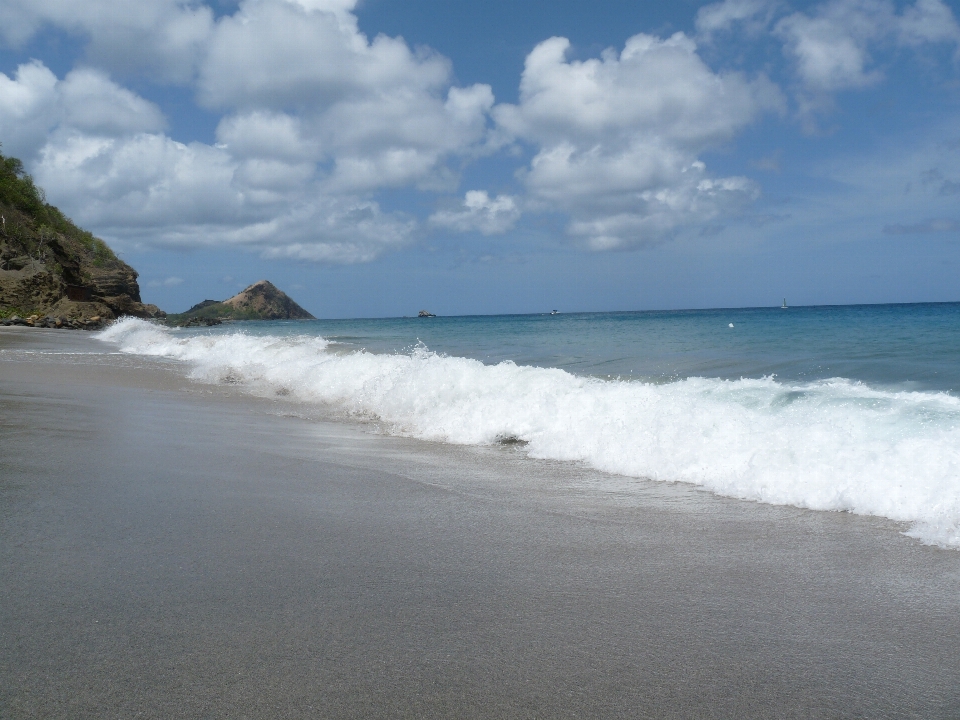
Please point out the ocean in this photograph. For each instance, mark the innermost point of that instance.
(842, 408)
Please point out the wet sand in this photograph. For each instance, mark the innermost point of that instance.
(175, 550)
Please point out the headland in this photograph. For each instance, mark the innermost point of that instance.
(50, 268)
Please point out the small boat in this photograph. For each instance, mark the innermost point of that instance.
(784, 306)
(554, 312)
(425, 313)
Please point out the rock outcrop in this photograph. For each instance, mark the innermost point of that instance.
(266, 301)
(261, 301)
(49, 267)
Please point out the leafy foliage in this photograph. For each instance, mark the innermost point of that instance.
(214, 310)
(10, 311)
(18, 192)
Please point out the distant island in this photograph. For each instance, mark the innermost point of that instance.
(51, 271)
(261, 301)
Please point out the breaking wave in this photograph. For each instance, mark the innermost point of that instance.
(828, 445)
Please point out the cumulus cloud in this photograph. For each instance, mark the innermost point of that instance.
(380, 113)
(92, 103)
(618, 137)
(285, 54)
(149, 188)
(100, 152)
(145, 181)
(34, 103)
(266, 134)
(658, 212)
(479, 212)
(162, 38)
(340, 230)
(28, 108)
(317, 118)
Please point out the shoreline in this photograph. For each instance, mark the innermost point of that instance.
(171, 548)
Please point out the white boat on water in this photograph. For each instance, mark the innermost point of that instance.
(784, 306)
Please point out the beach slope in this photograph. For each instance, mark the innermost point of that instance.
(176, 550)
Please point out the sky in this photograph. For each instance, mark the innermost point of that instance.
(377, 157)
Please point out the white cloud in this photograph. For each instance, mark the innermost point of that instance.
(479, 212)
(753, 15)
(654, 86)
(266, 134)
(144, 181)
(166, 282)
(147, 188)
(382, 115)
(344, 230)
(162, 38)
(659, 211)
(619, 136)
(34, 103)
(28, 108)
(927, 21)
(273, 53)
(831, 47)
(318, 119)
(835, 45)
(92, 103)
(402, 137)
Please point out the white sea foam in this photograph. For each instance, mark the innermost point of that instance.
(829, 445)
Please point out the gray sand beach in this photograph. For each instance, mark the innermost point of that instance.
(171, 549)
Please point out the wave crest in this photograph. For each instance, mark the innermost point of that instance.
(828, 445)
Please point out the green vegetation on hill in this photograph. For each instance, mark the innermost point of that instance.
(44, 258)
(33, 221)
(213, 310)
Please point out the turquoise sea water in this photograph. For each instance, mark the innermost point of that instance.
(914, 346)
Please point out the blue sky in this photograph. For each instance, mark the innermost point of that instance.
(380, 157)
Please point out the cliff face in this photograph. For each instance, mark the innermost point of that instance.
(261, 301)
(49, 266)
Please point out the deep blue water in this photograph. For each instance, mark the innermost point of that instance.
(915, 346)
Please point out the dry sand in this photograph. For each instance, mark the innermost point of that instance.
(176, 550)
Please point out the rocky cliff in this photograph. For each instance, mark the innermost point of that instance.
(261, 301)
(49, 266)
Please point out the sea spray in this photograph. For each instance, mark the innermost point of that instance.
(833, 444)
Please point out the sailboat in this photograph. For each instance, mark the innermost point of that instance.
(784, 306)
